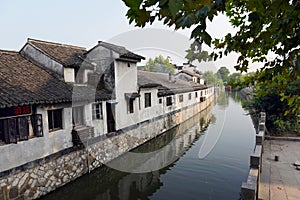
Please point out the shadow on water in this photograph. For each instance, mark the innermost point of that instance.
(218, 175)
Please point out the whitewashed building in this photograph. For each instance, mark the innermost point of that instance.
(56, 99)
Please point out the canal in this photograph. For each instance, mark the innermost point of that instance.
(209, 157)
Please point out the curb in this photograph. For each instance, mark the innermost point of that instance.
(293, 139)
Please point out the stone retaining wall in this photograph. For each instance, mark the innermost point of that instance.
(40, 177)
(249, 190)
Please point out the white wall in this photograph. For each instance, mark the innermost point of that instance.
(155, 110)
(41, 59)
(69, 75)
(14, 155)
(100, 125)
(125, 82)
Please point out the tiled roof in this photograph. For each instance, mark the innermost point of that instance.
(67, 55)
(190, 73)
(22, 82)
(124, 53)
(166, 87)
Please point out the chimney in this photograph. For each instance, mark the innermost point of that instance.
(171, 77)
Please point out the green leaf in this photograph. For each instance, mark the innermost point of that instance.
(135, 4)
(175, 6)
(206, 37)
(253, 17)
(196, 32)
(163, 2)
(205, 2)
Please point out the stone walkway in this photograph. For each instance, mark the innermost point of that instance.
(280, 180)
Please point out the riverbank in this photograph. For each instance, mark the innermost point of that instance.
(216, 176)
(280, 180)
(36, 179)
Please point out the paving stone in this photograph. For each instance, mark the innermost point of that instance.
(284, 179)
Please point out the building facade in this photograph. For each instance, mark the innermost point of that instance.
(58, 100)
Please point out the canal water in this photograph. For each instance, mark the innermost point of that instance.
(210, 160)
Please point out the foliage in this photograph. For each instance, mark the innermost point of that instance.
(195, 53)
(282, 112)
(263, 27)
(211, 79)
(234, 79)
(223, 74)
(160, 64)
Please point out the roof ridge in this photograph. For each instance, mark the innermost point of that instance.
(55, 43)
(8, 51)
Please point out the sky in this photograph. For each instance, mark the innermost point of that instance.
(84, 23)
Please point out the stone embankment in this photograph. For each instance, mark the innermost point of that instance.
(249, 190)
(246, 93)
(39, 177)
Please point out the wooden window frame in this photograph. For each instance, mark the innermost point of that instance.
(130, 105)
(180, 98)
(97, 111)
(169, 101)
(55, 115)
(147, 99)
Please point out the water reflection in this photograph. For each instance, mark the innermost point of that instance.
(217, 176)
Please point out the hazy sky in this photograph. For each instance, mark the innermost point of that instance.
(84, 22)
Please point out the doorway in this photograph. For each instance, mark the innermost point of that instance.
(111, 123)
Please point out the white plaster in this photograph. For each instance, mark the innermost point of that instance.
(69, 75)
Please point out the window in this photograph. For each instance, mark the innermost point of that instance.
(181, 98)
(55, 119)
(147, 100)
(16, 129)
(190, 96)
(196, 94)
(201, 93)
(160, 100)
(169, 101)
(130, 106)
(97, 111)
(139, 103)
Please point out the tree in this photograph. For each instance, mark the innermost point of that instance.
(211, 78)
(159, 64)
(195, 53)
(263, 27)
(223, 74)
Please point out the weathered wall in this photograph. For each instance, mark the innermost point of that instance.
(125, 82)
(41, 59)
(44, 175)
(104, 58)
(13, 155)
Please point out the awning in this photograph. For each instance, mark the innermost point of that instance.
(132, 95)
(112, 101)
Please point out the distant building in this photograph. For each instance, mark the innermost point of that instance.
(190, 76)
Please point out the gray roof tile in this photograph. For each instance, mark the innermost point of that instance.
(22, 82)
(166, 87)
